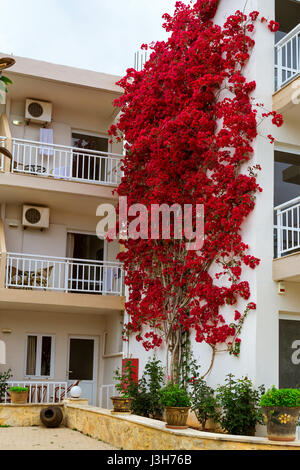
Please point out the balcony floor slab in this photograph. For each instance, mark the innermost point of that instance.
(287, 268)
(21, 299)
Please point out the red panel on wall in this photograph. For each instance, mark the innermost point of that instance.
(135, 368)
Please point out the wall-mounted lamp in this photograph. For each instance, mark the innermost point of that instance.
(12, 223)
(17, 123)
(6, 331)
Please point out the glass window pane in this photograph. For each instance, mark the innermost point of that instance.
(287, 177)
(46, 355)
(31, 355)
(81, 363)
(289, 353)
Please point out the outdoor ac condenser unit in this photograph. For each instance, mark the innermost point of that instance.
(38, 111)
(35, 217)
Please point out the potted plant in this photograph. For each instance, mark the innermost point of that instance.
(281, 408)
(122, 402)
(176, 403)
(239, 404)
(204, 402)
(19, 395)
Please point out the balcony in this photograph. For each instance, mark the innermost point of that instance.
(286, 266)
(64, 285)
(48, 273)
(287, 58)
(60, 162)
(287, 70)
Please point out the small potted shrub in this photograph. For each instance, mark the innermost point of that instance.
(239, 405)
(204, 403)
(176, 403)
(19, 395)
(122, 402)
(281, 408)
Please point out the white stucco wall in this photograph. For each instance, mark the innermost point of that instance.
(259, 350)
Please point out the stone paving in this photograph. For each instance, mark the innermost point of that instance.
(41, 438)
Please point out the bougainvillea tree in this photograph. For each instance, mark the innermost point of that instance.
(189, 119)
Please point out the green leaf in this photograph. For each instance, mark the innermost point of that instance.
(6, 80)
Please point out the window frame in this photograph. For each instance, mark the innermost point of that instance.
(38, 357)
(102, 135)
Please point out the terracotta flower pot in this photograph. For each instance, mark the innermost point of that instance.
(176, 417)
(121, 404)
(19, 398)
(281, 422)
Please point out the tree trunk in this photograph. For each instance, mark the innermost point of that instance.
(175, 350)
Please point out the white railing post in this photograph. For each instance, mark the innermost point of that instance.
(279, 74)
(67, 276)
(279, 228)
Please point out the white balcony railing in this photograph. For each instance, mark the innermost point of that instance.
(287, 58)
(40, 392)
(288, 227)
(67, 163)
(63, 274)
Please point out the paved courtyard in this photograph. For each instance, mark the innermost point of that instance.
(41, 438)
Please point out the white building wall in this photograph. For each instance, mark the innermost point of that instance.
(52, 241)
(259, 350)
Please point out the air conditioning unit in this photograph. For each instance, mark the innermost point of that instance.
(38, 111)
(35, 217)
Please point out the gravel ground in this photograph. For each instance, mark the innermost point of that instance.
(41, 438)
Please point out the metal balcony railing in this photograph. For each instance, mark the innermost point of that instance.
(24, 271)
(40, 392)
(287, 228)
(287, 58)
(67, 163)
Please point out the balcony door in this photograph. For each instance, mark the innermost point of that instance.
(87, 165)
(83, 365)
(87, 251)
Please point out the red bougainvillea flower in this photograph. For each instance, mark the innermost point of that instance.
(254, 15)
(186, 143)
(273, 26)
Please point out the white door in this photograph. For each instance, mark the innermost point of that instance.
(83, 365)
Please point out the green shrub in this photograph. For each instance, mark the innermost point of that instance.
(239, 406)
(173, 395)
(286, 397)
(18, 389)
(204, 402)
(4, 377)
(146, 397)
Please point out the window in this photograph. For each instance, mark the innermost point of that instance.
(289, 353)
(87, 165)
(39, 355)
(287, 177)
(287, 15)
